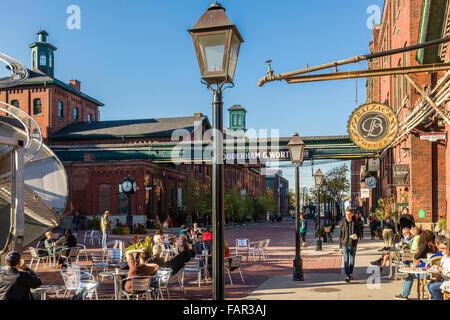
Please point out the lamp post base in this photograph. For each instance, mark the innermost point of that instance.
(318, 245)
(298, 269)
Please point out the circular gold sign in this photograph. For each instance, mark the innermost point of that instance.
(373, 126)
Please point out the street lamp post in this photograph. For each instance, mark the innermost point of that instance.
(318, 179)
(296, 149)
(217, 42)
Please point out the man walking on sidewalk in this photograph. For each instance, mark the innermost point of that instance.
(348, 240)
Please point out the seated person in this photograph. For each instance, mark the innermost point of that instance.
(426, 245)
(195, 231)
(439, 239)
(66, 242)
(160, 237)
(184, 238)
(141, 268)
(207, 236)
(178, 262)
(49, 242)
(226, 255)
(442, 281)
(183, 228)
(404, 243)
(416, 236)
(199, 244)
(17, 280)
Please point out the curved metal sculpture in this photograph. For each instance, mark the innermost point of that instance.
(33, 131)
(18, 72)
(33, 182)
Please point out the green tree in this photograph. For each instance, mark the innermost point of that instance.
(338, 181)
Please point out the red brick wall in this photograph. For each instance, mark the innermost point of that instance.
(421, 178)
(50, 96)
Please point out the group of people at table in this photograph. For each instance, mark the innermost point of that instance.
(425, 247)
(17, 280)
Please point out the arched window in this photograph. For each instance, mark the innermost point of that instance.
(15, 103)
(43, 59)
(60, 110)
(75, 114)
(34, 60)
(50, 60)
(89, 117)
(238, 120)
(37, 107)
(233, 120)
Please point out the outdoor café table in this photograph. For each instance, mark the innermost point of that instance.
(117, 278)
(419, 271)
(390, 251)
(48, 288)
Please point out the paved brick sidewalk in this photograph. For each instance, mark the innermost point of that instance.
(279, 263)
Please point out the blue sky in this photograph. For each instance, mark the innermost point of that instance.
(138, 59)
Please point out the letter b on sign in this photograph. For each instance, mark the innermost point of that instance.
(74, 20)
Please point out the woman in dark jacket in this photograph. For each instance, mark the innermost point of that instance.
(66, 242)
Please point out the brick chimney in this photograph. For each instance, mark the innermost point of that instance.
(198, 114)
(75, 84)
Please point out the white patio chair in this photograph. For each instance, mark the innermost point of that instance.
(35, 256)
(140, 286)
(96, 236)
(75, 280)
(193, 267)
(89, 288)
(242, 244)
(258, 247)
(162, 278)
(72, 254)
(233, 263)
(168, 252)
(83, 251)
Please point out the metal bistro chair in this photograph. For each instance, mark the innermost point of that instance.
(75, 280)
(72, 254)
(112, 255)
(140, 286)
(83, 251)
(168, 252)
(35, 256)
(243, 244)
(98, 264)
(233, 263)
(407, 257)
(89, 288)
(193, 267)
(259, 247)
(161, 282)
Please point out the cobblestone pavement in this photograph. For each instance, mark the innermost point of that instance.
(279, 262)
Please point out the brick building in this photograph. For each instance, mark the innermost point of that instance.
(280, 188)
(412, 170)
(99, 155)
